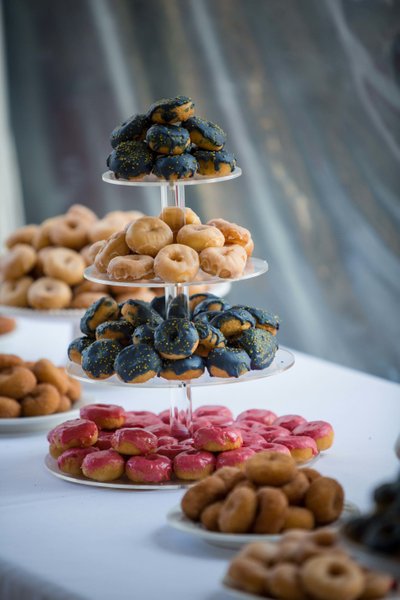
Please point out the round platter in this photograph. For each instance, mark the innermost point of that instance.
(233, 541)
(254, 268)
(152, 180)
(283, 360)
(64, 314)
(118, 484)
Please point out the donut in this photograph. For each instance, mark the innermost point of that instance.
(238, 511)
(296, 489)
(64, 264)
(137, 312)
(159, 429)
(46, 372)
(231, 476)
(260, 345)
(104, 465)
(41, 237)
(265, 553)
(176, 338)
(131, 267)
(325, 499)
(47, 293)
(234, 321)
(19, 261)
(376, 585)
(134, 441)
(70, 461)
(178, 307)
(69, 231)
(275, 447)
(76, 347)
(137, 364)
(227, 362)
(86, 300)
(64, 404)
(206, 317)
(89, 253)
(302, 447)
(184, 369)
(212, 410)
(171, 110)
(211, 420)
(215, 164)
(10, 360)
(16, 382)
(264, 319)
(201, 495)
(130, 160)
(253, 440)
(167, 139)
(176, 217)
(332, 577)
(176, 263)
(140, 418)
(210, 515)
(194, 464)
(248, 575)
(259, 415)
(210, 304)
(234, 458)
(106, 416)
(114, 247)
(227, 262)
(104, 440)
(270, 468)
(105, 309)
(82, 212)
(233, 233)
(15, 292)
(152, 468)
(172, 450)
(98, 358)
(284, 582)
(298, 517)
(143, 334)
(205, 134)
(171, 168)
(217, 439)
(9, 408)
(166, 441)
(311, 474)
(148, 235)
(272, 433)
(119, 331)
(140, 293)
(200, 237)
(271, 512)
(76, 433)
(158, 304)
(132, 130)
(22, 235)
(289, 422)
(320, 431)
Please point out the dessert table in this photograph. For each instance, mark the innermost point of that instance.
(60, 540)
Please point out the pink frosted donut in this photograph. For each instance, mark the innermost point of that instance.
(166, 440)
(104, 440)
(71, 460)
(186, 442)
(266, 417)
(159, 429)
(273, 447)
(289, 421)
(301, 447)
(217, 439)
(234, 458)
(194, 464)
(104, 465)
(172, 450)
(153, 468)
(254, 440)
(140, 418)
(218, 420)
(77, 433)
(212, 410)
(106, 416)
(164, 416)
(272, 432)
(320, 431)
(134, 441)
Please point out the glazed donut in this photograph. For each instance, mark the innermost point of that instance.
(270, 468)
(64, 264)
(248, 575)
(131, 160)
(205, 134)
(98, 358)
(18, 261)
(64, 404)
(234, 458)
(227, 362)
(105, 309)
(15, 292)
(134, 441)
(152, 468)
(131, 267)
(200, 237)
(217, 439)
(171, 168)
(298, 517)
(159, 429)
(284, 582)
(302, 447)
(296, 489)
(41, 238)
(132, 130)
(165, 441)
(171, 110)
(104, 465)
(71, 460)
(82, 212)
(143, 334)
(239, 511)
(106, 416)
(176, 338)
(148, 235)
(259, 415)
(211, 420)
(194, 464)
(176, 217)
(120, 331)
(104, 440)
(137, 364)
(274, 447)
(10, 360)
(7, 325)
(47, 293)
(260, 345)
(201, 495)
(90, 252)
(271, 512)
(176, 263)
(332, 577)
(140, 293)
(184, 369)
(90, 287)
(70, 232)
(115, 246)
(22, 235)
(16, 382)
(138, 313)
(252, 440)
(44, 399)
(172, 450)
(212, 410)
(325, 499)
(227, 262)
(86, 300)
(76, 433)
(46, 372)
(234, 234)
(167, 139)
(234, 321)
(320, 431)
(376, 585)
(210, 515)
(215, 164)
(264, 319)
(9, 408)
(289, 422)
(76, 347)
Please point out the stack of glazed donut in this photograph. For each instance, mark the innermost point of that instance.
(305, 566)
(134, 340)
(33, 389)
(169, 142)
(217, 441)
(267, 496)
(174, 247)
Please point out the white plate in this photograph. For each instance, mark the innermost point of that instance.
(233, 541)
(118, 484)
(64, 314)
(45, 423)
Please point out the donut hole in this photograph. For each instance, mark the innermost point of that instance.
(336, 570)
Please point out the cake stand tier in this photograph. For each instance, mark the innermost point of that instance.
(152, 180)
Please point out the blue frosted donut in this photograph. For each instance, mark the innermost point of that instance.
(76, 348)
(209, 338)
(195, 299)
(138, 312)
(205, 134)
(132, 130)
(120, 331)
(260, 345)
(206, 317)
(171, 168)
(144, 334)
(158, 304)
(104, 309)
(171, 110)
(228, 362)
(98, 359)
(136, 364)
(131, 160)
(167, 139)
(184, 369)
(176, 338)
(264, 319)
(211, 304)
(216, 164)
(233, 321)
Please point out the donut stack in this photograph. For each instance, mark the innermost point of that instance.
(169, 142)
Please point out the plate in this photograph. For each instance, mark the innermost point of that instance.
(63, 314)
(118, 484)
(31, 424)
(233, 541)
(151, 180)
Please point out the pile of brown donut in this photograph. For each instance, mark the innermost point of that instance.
(305, 566)
(33, 389)
(174, 247)
(269, 495)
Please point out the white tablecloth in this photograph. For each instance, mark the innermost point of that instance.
(64, 541)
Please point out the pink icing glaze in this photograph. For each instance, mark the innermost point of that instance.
(213, 410)
(94, 463)
(290, 421)
(159, 429)
(189, 441)
(272, 447)
(273, 432)
(104, 440)
(149, 469)
(194, 462)
(173, 450)
(299, 442)
(218, 437)
(164, 416)
(74, 433)
(252, 439)
(106, 416)
(141, 418)
(71, 460)
(219, 420)
(234, 458)
(266, 417)
(166, 440)
(133, 440)
(314, 429)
